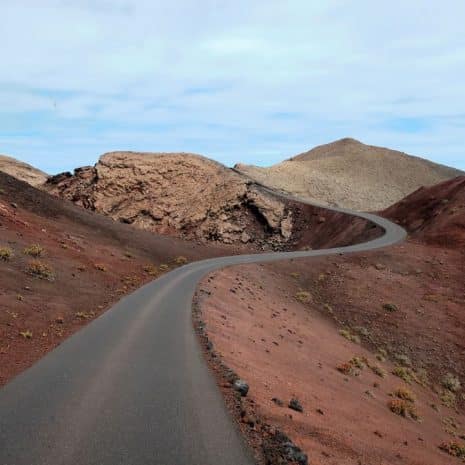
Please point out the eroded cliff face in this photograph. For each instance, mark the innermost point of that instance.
(180, 194)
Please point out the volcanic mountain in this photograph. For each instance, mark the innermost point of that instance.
(350, 174)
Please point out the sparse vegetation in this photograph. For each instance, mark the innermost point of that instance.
(84, 315)
(6, 254)
(295, 275)
(180, 260)
(403, 408)
(451, 382)
(404, 394)
(349, 335)
(163, 267)
(359, 362)
(403, 359)
(151, 270)
(377, 370)
(348, 369)
(34, 250)
(303, 297)
(448, 398)
(40, 270)
(454, 449)
(27, 334)
(100, 267)
(404, 373)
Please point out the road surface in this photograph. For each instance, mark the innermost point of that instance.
(132, 387)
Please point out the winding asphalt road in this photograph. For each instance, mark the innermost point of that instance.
(132, 387)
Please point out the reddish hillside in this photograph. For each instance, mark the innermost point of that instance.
(434, 215)
(62, 266)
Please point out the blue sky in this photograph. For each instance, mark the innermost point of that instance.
(245, 81)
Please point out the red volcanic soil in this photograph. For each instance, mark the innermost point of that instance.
(279, 327)
(92, 260)
(434, 215)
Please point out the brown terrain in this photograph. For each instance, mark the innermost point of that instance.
(357, 359)
(22, 171)
(350, 174)
(62, 266)
(370, 345)
(183, 195)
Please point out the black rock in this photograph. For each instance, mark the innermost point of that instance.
(294, 404)
(241, 387)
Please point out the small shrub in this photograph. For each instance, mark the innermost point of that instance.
(404, 394)
(26, 334)
(349, 336)
(40, 270)
(180, 260)
(451, 382)
(453, 448)
(163, 267)
(303, 297)
(379, 371)
(150, 270)
(347, 369)
(6, 254)
(84, 315)
(100, 267)
(359, 362)
(448, 398)
(403, 408)
(404, 373)
(403, 359)
(34, 250)
(295, 275)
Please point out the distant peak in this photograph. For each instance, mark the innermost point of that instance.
(347, 140)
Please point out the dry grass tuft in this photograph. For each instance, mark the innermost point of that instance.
(40, 270)
(303, 297)
(6, 254)
(100, 267)
(34, 250)
(377, 370)
(350, 336)
(453, 448)
(451, 382)
(448, 398)
(180, 260)
(403, 408)
(404, 394)
(27, 334)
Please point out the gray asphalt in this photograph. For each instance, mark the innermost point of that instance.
(132, 387)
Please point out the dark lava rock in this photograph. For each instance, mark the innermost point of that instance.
(278, 449)
(277, 401)
(241, 387)
(294, 404)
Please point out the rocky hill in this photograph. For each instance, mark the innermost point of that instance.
(22, 171)
(179, 194)
(350, 174)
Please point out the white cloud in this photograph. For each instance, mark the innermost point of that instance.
(206, 77)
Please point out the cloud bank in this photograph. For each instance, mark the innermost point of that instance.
(251, 81)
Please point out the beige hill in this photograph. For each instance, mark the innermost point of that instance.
(22, 171)
(179, 194)
(350, 174)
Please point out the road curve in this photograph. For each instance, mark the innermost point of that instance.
(132, 387)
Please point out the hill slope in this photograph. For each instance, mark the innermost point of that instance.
(22, 171)
(350, 174)
(62, 266)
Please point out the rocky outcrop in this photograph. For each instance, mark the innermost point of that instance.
(180, 194)
(22, 171)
